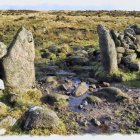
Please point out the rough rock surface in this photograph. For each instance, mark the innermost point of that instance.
(112, 94)
(8, 122)
(39, 118)
(108, 50)
(3, 50)
(81, 89)
(18, 64)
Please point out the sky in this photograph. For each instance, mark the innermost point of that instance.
(129, 5)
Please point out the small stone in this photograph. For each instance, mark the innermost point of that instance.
(129, 58)
(81, 106)
(105, 84)
(81, 89)
(85, 123)
(93, 86)
(2, 132)
(134, 66)
(85, 103)
(95, 122)
(8, 122)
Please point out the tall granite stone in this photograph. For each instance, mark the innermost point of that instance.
(18, 64)
(108, 50)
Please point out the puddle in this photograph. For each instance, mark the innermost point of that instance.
(74, 102)
(65, 73)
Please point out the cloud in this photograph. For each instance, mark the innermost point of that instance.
(72, 4)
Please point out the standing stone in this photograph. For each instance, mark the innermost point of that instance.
(108, 50)
(18, 64)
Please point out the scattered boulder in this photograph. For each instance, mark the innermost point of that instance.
(54, 98)
(76, 60)
(129, 58)
(129, 31)
(51, 80)
(108, 50)
(39, 118)
(112, 94)
(134, 66)
(18, 64)
(8, 122)
(94, 100)
(81, 89)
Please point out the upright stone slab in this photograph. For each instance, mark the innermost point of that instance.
(18, 64)
(108, 50)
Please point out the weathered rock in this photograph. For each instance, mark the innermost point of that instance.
(129, 31)
(133, 47)
(138, 52)
(108, 50)
(115, 35)
(119, 57)
(129, 51)
(105, 84)
(81, 89)
(76, 60)
(39, 118)
(12, 98)
(53, 49)
(129, 58)
(54, 97)
(94, 100)
(51, 79)
(134, 66)
(120, 50)
(136, 28)
(3, 50)
(112, 94)
(8, 122)
(18, 64)
(138, 39)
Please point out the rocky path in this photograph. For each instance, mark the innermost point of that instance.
(95, 116)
